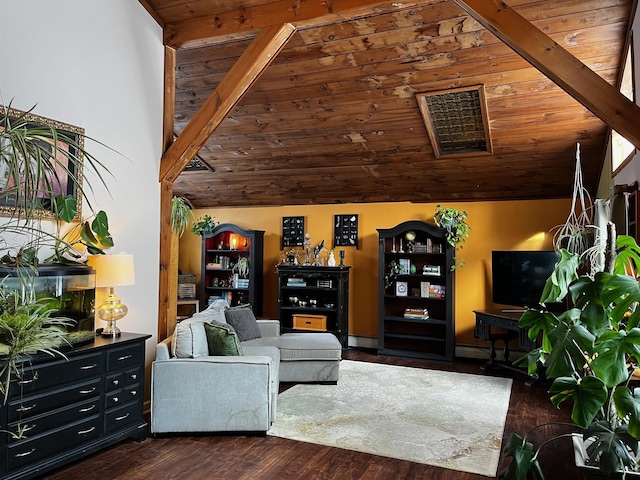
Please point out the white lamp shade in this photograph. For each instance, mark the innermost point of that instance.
(113, 270)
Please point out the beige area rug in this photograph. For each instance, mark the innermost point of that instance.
(446, 419)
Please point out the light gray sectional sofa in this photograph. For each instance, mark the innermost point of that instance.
(193, 391)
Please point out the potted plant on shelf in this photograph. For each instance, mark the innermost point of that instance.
(590, 352)
(203, 226)
(457, 229)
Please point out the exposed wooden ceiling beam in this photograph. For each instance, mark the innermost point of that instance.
(575, 78)
(242, 23)
(251, 64)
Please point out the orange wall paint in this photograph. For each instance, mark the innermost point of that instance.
(508, 225)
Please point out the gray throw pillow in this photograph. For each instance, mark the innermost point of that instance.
(222, 339)
(243, 322)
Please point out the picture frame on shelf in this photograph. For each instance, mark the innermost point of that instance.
(402, 289)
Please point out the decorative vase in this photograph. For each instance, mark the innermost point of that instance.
(332, 260)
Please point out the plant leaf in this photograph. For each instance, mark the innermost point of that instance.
(610, 363)
(564, 273)
(628, 405)
(588, 395)
(611, 449)
(66, 207)
(522, 452)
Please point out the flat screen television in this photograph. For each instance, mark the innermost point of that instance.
(519, 277)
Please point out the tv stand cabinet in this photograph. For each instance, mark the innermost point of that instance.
(70, 408)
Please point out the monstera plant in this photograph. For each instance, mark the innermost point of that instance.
(590, 353)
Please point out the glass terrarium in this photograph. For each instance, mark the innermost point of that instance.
(68, 289)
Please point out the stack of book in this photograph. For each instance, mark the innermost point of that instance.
(416, 313)
(296, 282)
(241, 282)
(430, 290)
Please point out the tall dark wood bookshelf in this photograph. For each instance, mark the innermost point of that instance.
(221, 250)
(416, 306)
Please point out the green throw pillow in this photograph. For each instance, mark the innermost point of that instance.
(222, 339)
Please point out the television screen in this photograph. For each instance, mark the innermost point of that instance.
(519, 277)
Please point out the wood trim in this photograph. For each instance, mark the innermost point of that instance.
(165, 306)
(575, 78)
(242, 23)
(167, 292)
(249, 67)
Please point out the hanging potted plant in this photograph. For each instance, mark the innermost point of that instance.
(590, 351)
(181, 214)
(457, 229)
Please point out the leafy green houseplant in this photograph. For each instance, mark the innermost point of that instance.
(203, 226)
(590, 352)
(455, 223)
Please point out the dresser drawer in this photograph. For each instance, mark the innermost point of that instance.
(124, 357)
(32, 449)
(49, 420)
(51, 374)
(122, 396)
(35, 404)
(121, 416)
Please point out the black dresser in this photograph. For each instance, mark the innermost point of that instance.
(69, 408)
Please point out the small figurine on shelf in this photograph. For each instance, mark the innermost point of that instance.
(307, 245)
(316, 253)
(332, 259)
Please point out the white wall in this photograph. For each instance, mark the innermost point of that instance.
(98, 64)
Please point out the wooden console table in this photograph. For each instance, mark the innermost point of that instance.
(496, 325)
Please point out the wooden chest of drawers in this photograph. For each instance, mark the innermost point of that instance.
(68, 408)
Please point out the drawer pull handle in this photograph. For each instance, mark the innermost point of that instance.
(134, 393)
(86, 392)
(134, 376)
(24, 454)
(83, 432)
(22, 408)
(88, 367)
(88, 409)
(26, 382)
(115, 399)
(124, 357)
(122, 417)
(116, 382)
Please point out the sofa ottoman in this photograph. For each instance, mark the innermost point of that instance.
(304, 356)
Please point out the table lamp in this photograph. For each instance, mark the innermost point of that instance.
(112, 271)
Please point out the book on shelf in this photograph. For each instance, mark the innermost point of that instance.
(431, 290)
(416, 313)
(296, 282)
(433, 270)
(405, 265)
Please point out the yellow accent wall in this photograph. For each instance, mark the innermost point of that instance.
(505, 225)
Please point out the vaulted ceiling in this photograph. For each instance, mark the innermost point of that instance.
(335, 117)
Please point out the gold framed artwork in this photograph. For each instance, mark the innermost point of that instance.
(56, 164)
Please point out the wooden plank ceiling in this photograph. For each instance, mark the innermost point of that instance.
(334, 118)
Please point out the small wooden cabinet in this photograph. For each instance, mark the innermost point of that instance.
(314, 298)
(225, 247)
(69, 408)
(415, 292)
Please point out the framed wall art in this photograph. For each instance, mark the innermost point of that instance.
(292, 232)
(56, 153)
(345, 230)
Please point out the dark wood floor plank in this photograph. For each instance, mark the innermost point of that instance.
(230, 457)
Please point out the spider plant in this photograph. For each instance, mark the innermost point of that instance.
(181, 214)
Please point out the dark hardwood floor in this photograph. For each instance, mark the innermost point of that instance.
(226, 457)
